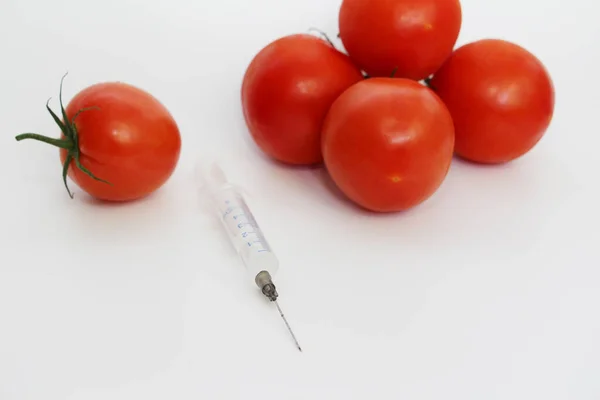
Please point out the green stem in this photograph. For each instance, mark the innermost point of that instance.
(67, 131)
(66, 172)
(57, 120)
(88, 172)
(61, 143)
(69, 143)
(83, 110)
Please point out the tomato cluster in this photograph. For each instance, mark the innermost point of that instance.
(387, 114)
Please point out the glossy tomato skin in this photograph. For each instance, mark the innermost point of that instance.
(286, 92)
(412, 36)
(501, 98)
(388, 143)
(130, 140)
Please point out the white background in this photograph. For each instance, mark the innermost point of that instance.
(489, 290)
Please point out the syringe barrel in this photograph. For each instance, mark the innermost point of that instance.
(241, 226)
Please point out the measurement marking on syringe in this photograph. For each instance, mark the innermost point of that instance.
(230, 210)
(245, 225)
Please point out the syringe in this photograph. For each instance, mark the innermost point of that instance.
(245, 234)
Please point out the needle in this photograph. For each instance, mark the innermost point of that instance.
(264, 282)
(288, 326)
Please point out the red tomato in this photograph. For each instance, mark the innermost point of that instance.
(126, 142)
(286, 92)
(413, 37)
(501, 99)
(388, 143)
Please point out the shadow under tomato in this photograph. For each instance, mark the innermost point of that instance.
(103, 221)
(474, 164)
(90, 200)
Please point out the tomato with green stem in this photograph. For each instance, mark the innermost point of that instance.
(117, 142)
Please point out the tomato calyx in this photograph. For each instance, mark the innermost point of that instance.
(70, 142)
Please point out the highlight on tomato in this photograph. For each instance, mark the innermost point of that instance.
(117, 142)
(501, 98)
(286, 92)
(412, 37)
(388, 143)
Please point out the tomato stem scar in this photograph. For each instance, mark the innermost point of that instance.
(70, 143)
(394, 72)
